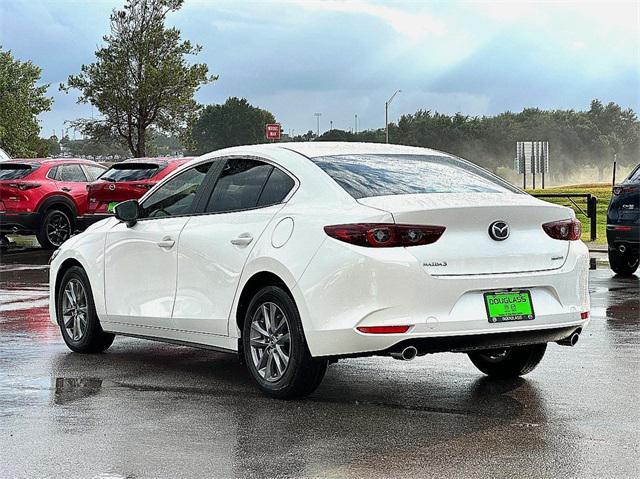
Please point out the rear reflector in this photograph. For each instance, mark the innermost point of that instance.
(584, 315)
(569, 230)
(622, 228)
(383, 329)
(385, 235)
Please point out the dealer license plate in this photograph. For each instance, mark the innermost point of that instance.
(505, 306)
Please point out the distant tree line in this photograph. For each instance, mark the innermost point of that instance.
(577, 139)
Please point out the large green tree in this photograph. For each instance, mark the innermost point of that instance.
(141, 81)
(236, 122)
(21, 101)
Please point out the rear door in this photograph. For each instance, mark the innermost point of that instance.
(214, 246)
(141, 260)
(72, 180)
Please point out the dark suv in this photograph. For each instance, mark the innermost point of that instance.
(623, 225)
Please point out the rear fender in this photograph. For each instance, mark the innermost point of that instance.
(58, 200)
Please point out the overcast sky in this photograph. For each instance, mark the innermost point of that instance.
(343, 58)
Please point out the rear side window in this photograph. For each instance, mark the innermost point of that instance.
(239, 185)
(71, 173)
(131, 171)
(364, 176)
(16, 171)
(276, 189)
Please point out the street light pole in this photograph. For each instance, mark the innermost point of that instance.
(356, 124)
(317, 115)
(386, 115)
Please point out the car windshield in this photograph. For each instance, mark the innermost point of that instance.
(15, 171)
(131, 172)
(364, 176)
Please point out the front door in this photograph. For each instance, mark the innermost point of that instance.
(141, 260)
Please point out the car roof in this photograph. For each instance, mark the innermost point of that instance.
(313, 149)
(158, 159)
(46, 161)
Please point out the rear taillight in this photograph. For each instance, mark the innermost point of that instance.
(24, 186)
(569, 230)
(618, 190)
(384, 235)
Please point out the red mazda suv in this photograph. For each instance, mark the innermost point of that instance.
(128, 180)
(44, 196)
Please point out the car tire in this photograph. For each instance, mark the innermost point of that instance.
(624, 264)
(76, 313)
(282, 369)
(508, 362)
(56, 228)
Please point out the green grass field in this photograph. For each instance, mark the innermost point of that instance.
(601, 190)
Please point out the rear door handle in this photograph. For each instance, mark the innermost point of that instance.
(64, 188)
(166, 243)
(243, 240)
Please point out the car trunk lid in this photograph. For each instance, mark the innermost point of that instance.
(466, 247)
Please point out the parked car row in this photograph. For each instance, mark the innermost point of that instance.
(53, 198)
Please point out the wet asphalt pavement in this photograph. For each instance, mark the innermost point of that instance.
(147, 410)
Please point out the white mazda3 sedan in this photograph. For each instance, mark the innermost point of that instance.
(294, 255)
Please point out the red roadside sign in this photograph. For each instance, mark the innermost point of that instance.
(273, 131)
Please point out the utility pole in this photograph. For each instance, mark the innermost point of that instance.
(356, 125)
(330, 124)
(317, 115)
(386, 115)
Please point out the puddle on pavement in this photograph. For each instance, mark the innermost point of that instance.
(71, 389)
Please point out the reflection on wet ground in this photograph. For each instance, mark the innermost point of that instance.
(147, 409)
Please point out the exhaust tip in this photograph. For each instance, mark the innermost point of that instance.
(570, 340)
(406, 354)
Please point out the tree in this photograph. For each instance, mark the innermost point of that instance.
(21, 101)
(53, 146)
(236, 122)
(141, 80)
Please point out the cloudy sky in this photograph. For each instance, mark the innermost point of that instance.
(343, 58)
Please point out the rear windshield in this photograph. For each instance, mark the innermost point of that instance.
(364, 176)
(131, 171)
(634, 176)
(15, 171)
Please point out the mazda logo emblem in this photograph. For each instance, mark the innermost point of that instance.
(499, 230)
(112, 187)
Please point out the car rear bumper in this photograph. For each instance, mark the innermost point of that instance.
(623, 234)
(19, 223)
(440, 311)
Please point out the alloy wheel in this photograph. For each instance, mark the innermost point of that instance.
(270, 341)
(58, 228)
(75, 309)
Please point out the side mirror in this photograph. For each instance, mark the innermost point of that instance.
(128, 211)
